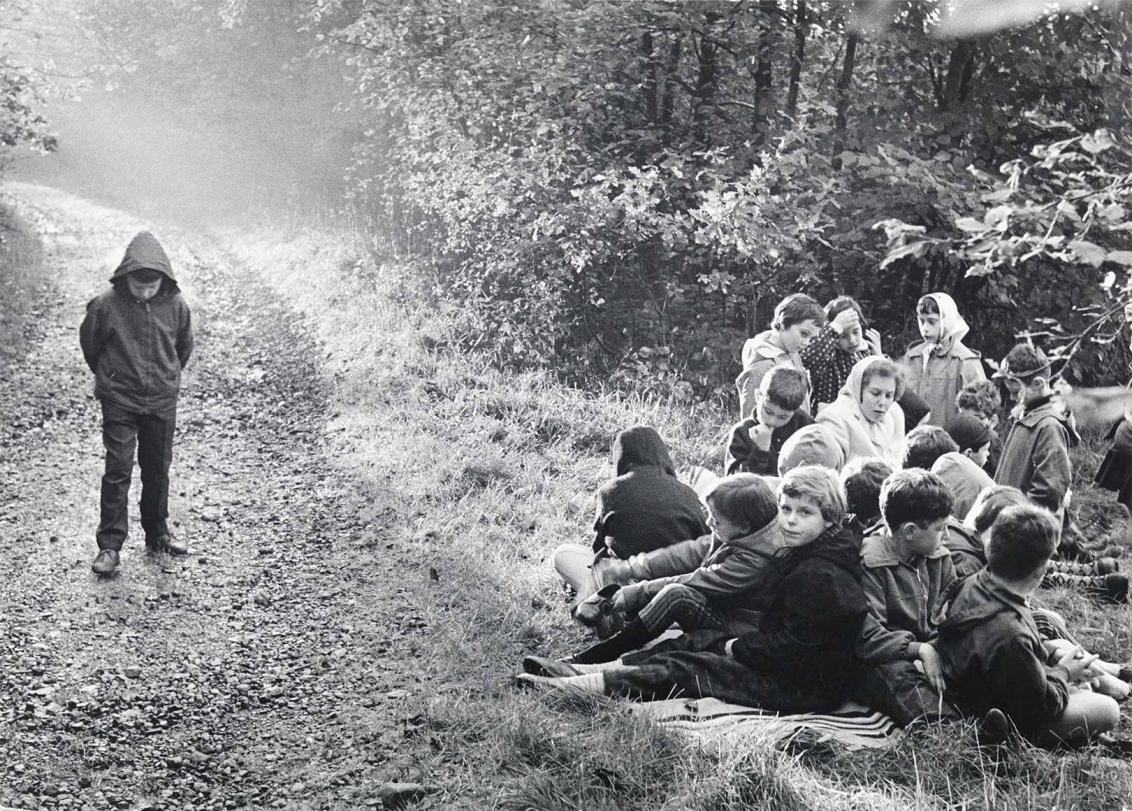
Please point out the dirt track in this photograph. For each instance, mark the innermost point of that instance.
(273, 667)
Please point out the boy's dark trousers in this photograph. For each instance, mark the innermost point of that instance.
(151, 435)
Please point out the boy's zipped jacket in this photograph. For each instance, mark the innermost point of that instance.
(137, 349)
(992, 655)
(900, 594)
(1035, 456)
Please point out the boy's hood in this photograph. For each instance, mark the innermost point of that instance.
(980, 598)
(963, 478)
(763, 345)
(144, 251)
(641, 447)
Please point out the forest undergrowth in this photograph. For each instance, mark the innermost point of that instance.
(496, 469)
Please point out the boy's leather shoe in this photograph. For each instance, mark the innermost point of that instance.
(541, 666)
(105, 562)
(166, 542)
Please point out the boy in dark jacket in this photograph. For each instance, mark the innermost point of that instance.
(1035, 456)
(136, 338)
(756, 442)
(992, 655)
(904, 569)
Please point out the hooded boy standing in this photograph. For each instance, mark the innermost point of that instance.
(939, 366)
(136, 337)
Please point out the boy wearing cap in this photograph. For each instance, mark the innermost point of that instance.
(136, 338)
(1035, 456)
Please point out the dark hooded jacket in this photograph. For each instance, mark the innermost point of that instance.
(137, 349)
(646, 507)
(992, 655)
(812, 607)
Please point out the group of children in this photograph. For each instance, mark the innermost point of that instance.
(850, 553)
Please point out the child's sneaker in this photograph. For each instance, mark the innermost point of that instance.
(105, 562)
(994, 728)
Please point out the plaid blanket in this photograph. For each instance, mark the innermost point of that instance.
(852, 725)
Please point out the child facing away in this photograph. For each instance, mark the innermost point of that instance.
(755, 443)
(797, 319)
(1035, 456)
(799, 656)
(863, 479)
(644, 508)
(137, 337)
(937, 367)
(982, 401)
(992, 657)
(924, 444)
(699, 584)
(904, 569)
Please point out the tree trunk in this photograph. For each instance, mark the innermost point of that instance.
(668, 102)
(648, 86)
(797, 57)
(956, 82)
(843, 82)
(764, 57)
(705, 83)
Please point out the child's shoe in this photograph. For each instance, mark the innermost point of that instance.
(105, 562)
(994, 728)
(166, 542)
(541, 666)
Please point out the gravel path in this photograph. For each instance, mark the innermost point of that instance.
(272, 667)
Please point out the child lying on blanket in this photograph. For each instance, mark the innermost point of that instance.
(992, 656)
(798, 657)
(704, 583)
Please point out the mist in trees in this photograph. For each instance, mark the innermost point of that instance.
(623, 190)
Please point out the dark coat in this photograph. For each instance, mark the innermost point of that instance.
(646, 507)
(1035, 457)
(744, 456)
(137, 349)
(812, 610)
(968, 555)
(992, 655)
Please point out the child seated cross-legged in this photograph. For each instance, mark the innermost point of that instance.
(799, 656)
(991, 654)
(904, 569)
(699, 584)
(755, 442)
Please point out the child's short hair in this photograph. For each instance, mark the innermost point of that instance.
(914, 495)
(743, 499)
(796, 308)
(1024, 361)
(810, 445)
(990, 502)
(927, 306)
(784, 386)
(1023, 537)
(969, 432)
(840, 304)
(924, 444)
(862, 479)
(820, 485)
(981, 397)
(883, 367)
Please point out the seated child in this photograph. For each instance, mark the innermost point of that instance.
(924, 444)
(963, 478)
(798, 658)
(940, 365)
(991, 654)
(810, 445)
(646, 507)
(756, 442)
(982, 401)
(904, 570)
(863, 479)
(703, 583)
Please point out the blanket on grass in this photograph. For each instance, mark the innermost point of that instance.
(854, 726)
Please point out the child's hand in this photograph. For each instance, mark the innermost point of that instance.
(932, 669)
(844, 321)
(761, 437)
(872, 337)
(1078, 664)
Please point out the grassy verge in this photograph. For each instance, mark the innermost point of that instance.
(494, 470)
(23, 289)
